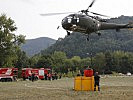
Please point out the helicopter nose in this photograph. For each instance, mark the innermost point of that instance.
(65, 24)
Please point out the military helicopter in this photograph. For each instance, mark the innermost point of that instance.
(84, 23)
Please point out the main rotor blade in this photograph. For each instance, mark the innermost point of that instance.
(91, 4)
(99, 14)
(52, 14)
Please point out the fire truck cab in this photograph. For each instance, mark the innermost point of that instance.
(8, 74)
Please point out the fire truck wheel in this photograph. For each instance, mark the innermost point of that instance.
(9, 80)
(2, 80)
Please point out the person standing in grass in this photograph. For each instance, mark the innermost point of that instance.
(49, 76)
(97, 80)
(33, 76)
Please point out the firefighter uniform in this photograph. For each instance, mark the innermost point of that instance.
(97, 80)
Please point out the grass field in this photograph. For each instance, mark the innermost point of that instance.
(112, 88)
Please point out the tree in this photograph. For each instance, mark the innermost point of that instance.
(58, 60)
(22, 60)
(9, 42)
(99, 62)
(109, 62)
(68, 64)
(45, 61)
(76, 60)
(33, 61)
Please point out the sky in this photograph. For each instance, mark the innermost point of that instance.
(26, 14)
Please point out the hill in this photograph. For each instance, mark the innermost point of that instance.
(34, 46)
(110, 40)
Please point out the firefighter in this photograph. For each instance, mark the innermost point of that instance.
(97, 80)
(49, 76)
(79, 73)
(88, 68)
(60, 76)
(14, 78)
(56, 77)
(46, 76)
(33, 77)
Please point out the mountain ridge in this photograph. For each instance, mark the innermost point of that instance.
(34, 46)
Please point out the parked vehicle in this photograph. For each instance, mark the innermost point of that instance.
(8, 74)
(40, 73)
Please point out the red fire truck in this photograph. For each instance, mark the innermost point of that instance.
(40, 73)
(8, 74)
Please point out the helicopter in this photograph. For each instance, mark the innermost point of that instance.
(84, 23)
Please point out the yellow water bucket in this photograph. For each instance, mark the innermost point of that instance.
(83, 83)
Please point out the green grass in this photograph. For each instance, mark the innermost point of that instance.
(112, 88)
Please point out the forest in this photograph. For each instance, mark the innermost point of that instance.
(109, 53)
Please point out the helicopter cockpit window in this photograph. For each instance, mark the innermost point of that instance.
(69, 19)
(77, 20)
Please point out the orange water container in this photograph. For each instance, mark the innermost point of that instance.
(88, 72)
